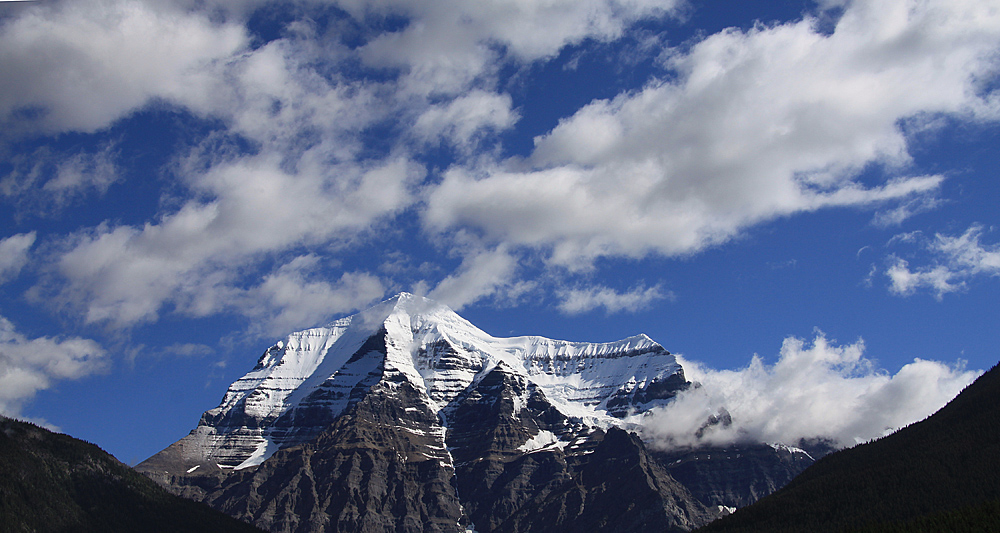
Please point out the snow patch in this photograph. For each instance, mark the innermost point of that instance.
(263, 451)
(543, 440)
(777, 446)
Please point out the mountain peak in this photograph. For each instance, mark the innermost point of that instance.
(305, 381)
(402, 304)
(413, 388)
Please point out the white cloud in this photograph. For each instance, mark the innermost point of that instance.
(310, 180)
(295, 296)
(81, 65)
(958, 260)
(904, 282)
(760, 124)
(813, 391)
(30, 365)
(581, 300)
(462, 121)
(192, 258)
(450, 43)
(14, 254)
(483, 273)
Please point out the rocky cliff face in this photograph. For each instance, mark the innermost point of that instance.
(406, 417)
(737, 476)
(381, 466)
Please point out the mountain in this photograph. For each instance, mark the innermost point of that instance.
(940, 474)
(739, 475)
(406, 417)
(51, 482)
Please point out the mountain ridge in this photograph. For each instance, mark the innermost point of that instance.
(313, 375)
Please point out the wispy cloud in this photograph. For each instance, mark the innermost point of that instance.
(14, 254)
(957, 260)
(46, 180)
(483, 273)
(581, 300)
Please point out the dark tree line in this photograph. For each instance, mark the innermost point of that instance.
(51, 482)
(940, 474)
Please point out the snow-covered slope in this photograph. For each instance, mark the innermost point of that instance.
(302, 383)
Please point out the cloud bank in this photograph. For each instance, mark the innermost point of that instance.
(816, 390)
(327, 134)
(757, 124)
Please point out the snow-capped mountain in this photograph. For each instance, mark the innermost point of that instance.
(302, 383)
(406, 417)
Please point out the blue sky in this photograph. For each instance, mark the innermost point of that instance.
(185, 182)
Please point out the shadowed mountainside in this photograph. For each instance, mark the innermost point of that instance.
(51, 482)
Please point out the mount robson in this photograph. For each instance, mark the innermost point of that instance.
(406, 417)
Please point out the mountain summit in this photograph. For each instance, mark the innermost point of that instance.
(304, 382)
(406, 417)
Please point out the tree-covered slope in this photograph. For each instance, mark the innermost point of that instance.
(51, 482)
(932, 474)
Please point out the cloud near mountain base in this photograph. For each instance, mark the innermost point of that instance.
(814, 390)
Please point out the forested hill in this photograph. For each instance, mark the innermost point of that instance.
(940, 474)
(51, 482)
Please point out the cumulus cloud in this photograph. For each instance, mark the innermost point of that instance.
(310, 179)
(958, 259)
(758, 124)
(190, 259)
(318, 139)
(814, 391)
(300, 185)
(30, 365)
(482, 273)
(81, 65)
(14, 254)
(296, 296)
(581, 300)
(464, 120)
